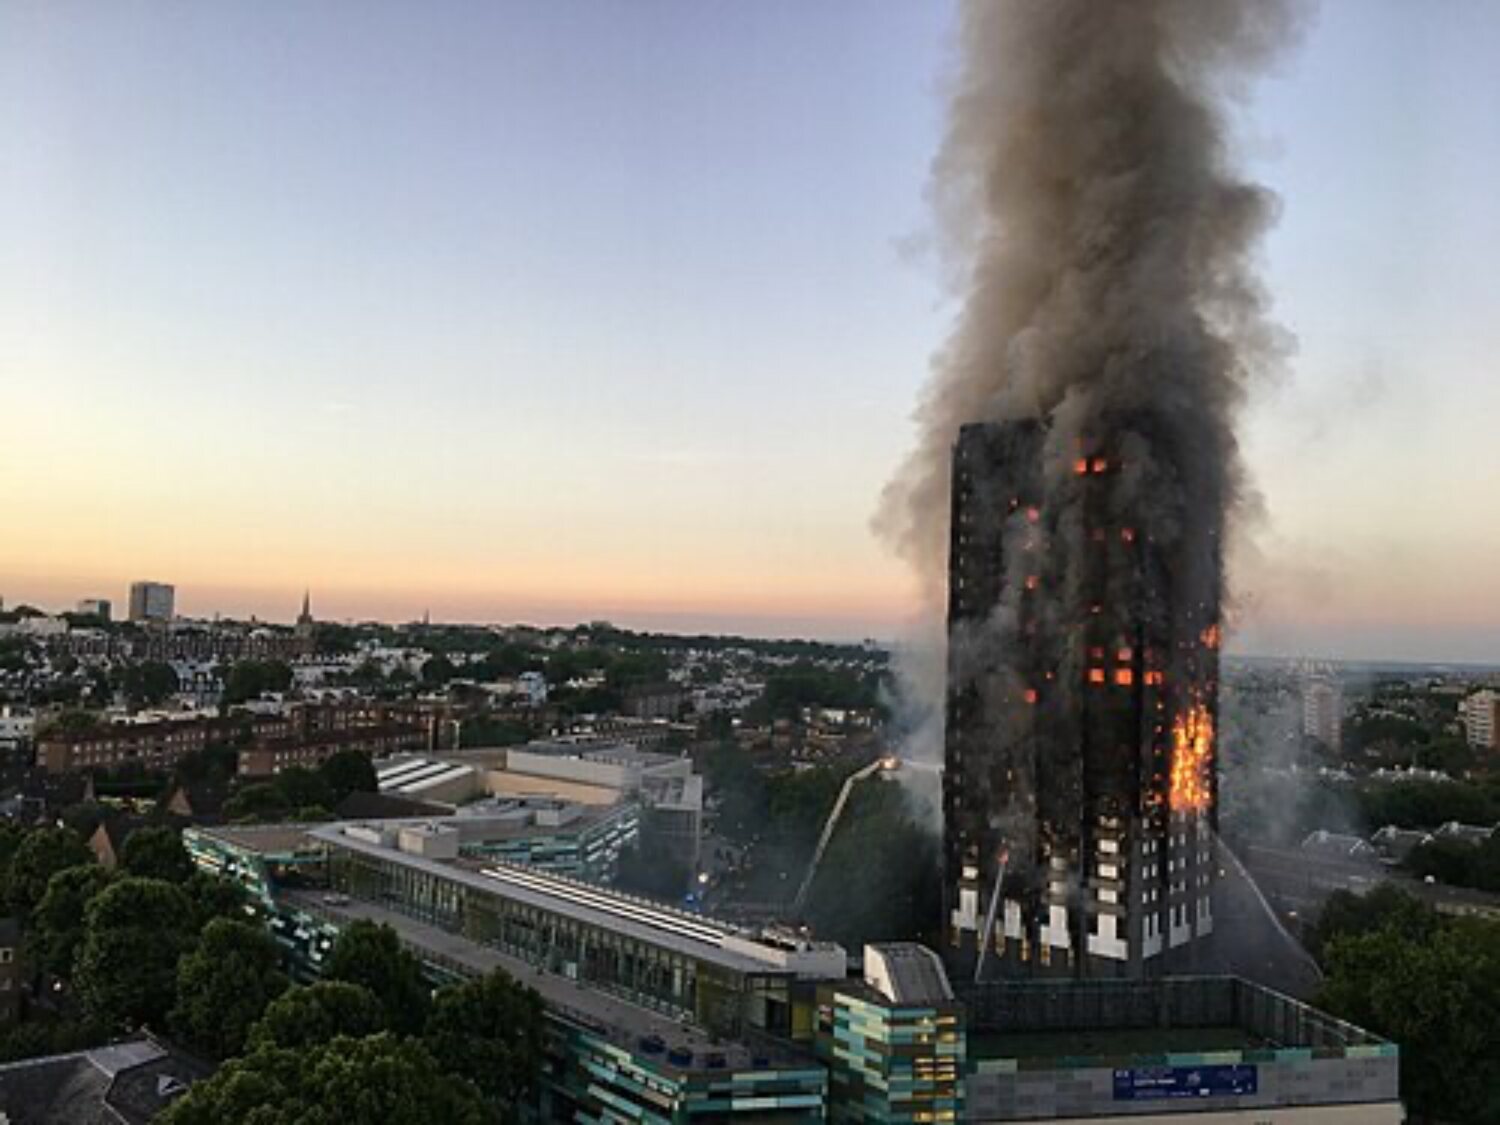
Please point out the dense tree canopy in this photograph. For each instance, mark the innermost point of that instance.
(372, 956)
(301, 787)
(58, 921)
(378, 1080)
(489, 1031)
(156, 852)
(250, 679)
(212, 897)
(147, 684)
(1387, 906)
(1436, 997)
(42, 853)
(1459, 863)
(263, 800)
(806, 684)
(311, 1016)
(348, 771)
(224, 986)
(1427, 804)
(879, 877)
(134, 932)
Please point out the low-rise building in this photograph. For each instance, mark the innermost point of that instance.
(10, 969)
(1211, 1050)
(131, 1081)
(659, 1015)
(894, 1040)
(654, 1014)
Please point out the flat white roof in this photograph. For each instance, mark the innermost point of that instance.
(677, 931)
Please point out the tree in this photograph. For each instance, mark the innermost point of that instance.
(371, 955)
(312, 1016)
(1387, 906)
(301, 786)
(11, 836)
(263, 800)
(250, 679)
(437, 671)
(156, 852)
(58, 921)
(147, 684)
(39, 856)
(348, 771)
(212, 897)
(877, 881)
(74, 722)
(377, 1080)
(741, 790)
(490, 1032)
(225, 985)
(134, 933)
(1436, 997)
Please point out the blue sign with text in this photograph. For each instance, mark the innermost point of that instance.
(1149, 1082)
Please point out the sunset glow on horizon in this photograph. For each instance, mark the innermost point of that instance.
(552, 314)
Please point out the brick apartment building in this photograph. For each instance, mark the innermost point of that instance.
(306, 735)
(271, 756)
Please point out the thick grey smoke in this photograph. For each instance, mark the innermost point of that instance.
(1101, 242)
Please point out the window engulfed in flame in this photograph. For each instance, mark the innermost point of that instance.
(1192, 758)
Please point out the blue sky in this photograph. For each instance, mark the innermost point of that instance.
(559, 310)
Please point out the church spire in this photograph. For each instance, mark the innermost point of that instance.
(305, 623)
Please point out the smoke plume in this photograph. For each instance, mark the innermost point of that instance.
(1101, 243)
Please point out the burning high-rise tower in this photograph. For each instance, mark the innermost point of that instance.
(1079, 784)
(1083, 412)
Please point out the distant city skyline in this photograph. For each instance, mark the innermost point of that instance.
(569, 311)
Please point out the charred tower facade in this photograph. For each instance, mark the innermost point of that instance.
(1079, 790)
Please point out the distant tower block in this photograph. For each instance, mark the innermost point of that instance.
(1079, 791)
(152, 601)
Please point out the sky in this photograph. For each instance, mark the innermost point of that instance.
(561, 310)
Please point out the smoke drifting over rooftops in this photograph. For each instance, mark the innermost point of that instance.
(1102, 244)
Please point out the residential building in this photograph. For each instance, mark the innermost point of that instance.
(154, 745)
(300, 735)
(16, 727)
(1481, 716)
(1080, 785)
(152, 601)
(101, 608)
(108, 841)
(1323, 711)
(130, 1081)
(655, 701)
(10, 969)
(268, 757)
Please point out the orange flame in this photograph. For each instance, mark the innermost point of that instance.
(1192, 757)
